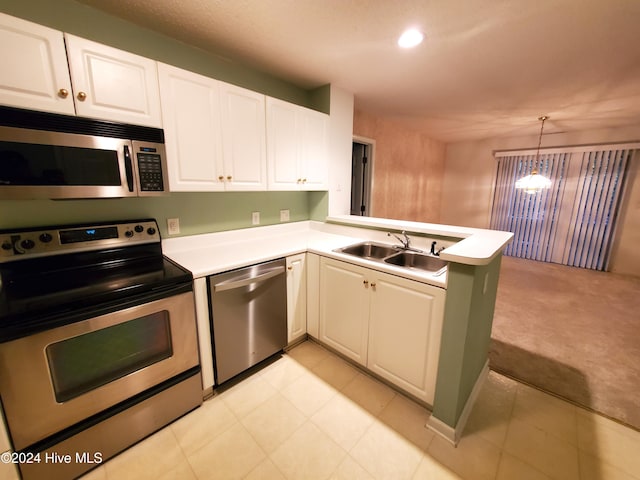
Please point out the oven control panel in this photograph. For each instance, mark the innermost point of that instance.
(30, 243)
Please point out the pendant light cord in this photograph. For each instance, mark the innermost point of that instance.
(543, 118)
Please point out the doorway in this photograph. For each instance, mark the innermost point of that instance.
(361, 175)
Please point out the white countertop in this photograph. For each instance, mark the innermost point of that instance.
(212, 253)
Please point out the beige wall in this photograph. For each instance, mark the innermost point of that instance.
(407, 172)
(470, 170)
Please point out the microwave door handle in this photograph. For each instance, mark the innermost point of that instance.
(128, 167)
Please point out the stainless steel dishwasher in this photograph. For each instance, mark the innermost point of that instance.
(248, 315)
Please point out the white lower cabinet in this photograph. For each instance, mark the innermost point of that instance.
(405, 327)
(389, 324)
(344, 308)
(296, 297)
(313, 294)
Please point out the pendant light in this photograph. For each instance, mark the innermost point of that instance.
(535, 182)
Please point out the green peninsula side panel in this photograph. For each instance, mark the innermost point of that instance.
(466, 334)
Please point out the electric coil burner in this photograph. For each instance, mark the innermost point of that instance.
(98, 342)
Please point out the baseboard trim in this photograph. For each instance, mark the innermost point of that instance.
(449, 433)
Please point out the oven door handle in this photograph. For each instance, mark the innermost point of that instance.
(243, 282)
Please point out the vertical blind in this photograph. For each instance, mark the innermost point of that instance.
(572, 222)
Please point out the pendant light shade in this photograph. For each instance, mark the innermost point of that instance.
(534, 182)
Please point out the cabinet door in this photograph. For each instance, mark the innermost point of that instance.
(296, 297)
(313, 294)
(282, 145)
(191, 119)
(313, 127)
(34, 73)
(405, 328)
(344, 308)
(243, 138)
(112, 84)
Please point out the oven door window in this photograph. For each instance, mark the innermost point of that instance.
(80, 364)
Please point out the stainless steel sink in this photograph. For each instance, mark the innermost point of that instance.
(416, 260)
(393, 255)
(369, 250)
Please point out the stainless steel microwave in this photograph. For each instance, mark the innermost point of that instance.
(45, 155)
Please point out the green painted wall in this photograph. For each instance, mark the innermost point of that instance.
(466, 335)
(198, 212)
(318, 206)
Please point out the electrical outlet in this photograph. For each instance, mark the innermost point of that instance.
(173, 226)
(255, 218)
(284, 215)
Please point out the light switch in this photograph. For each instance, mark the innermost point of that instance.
(284, 215)
(255, 218)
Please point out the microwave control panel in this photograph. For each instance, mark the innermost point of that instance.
(150, 172)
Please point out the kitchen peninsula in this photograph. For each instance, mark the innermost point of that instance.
(468, 292)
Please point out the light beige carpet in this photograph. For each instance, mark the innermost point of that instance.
(572, 332)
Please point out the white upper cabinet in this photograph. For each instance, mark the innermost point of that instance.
(282, 147)
(243, 138)
(86, 78)
(112, 84)
(193, 139)
(296, 147)
(214, 133)
(34, 71)
(314, 134)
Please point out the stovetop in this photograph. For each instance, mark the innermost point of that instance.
(57, 275)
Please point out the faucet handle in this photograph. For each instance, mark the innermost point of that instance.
(405, 242)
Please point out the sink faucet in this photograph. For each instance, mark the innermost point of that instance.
(433, 250)
(405, 242)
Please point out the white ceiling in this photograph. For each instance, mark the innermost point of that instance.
(486, 68)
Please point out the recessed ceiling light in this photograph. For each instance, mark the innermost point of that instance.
(410, 38)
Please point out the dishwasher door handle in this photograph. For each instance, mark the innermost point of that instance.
(243, 282)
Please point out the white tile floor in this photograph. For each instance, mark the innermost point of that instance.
(311, 415)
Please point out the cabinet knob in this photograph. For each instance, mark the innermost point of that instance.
(365, 283)
(221, 178)
(63, 93)
(373, 285)
(299, 180)
(304, 180)
(289, 267)
(82, 96)
(229, 177)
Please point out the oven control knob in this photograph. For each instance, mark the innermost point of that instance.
(27, 244)
(45, 237)
(7, 246)
(139, 228)
(128, 233)
(151, 231)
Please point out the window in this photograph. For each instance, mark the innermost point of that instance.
(572, 222)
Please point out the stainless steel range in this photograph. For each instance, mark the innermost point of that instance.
(98, 342)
